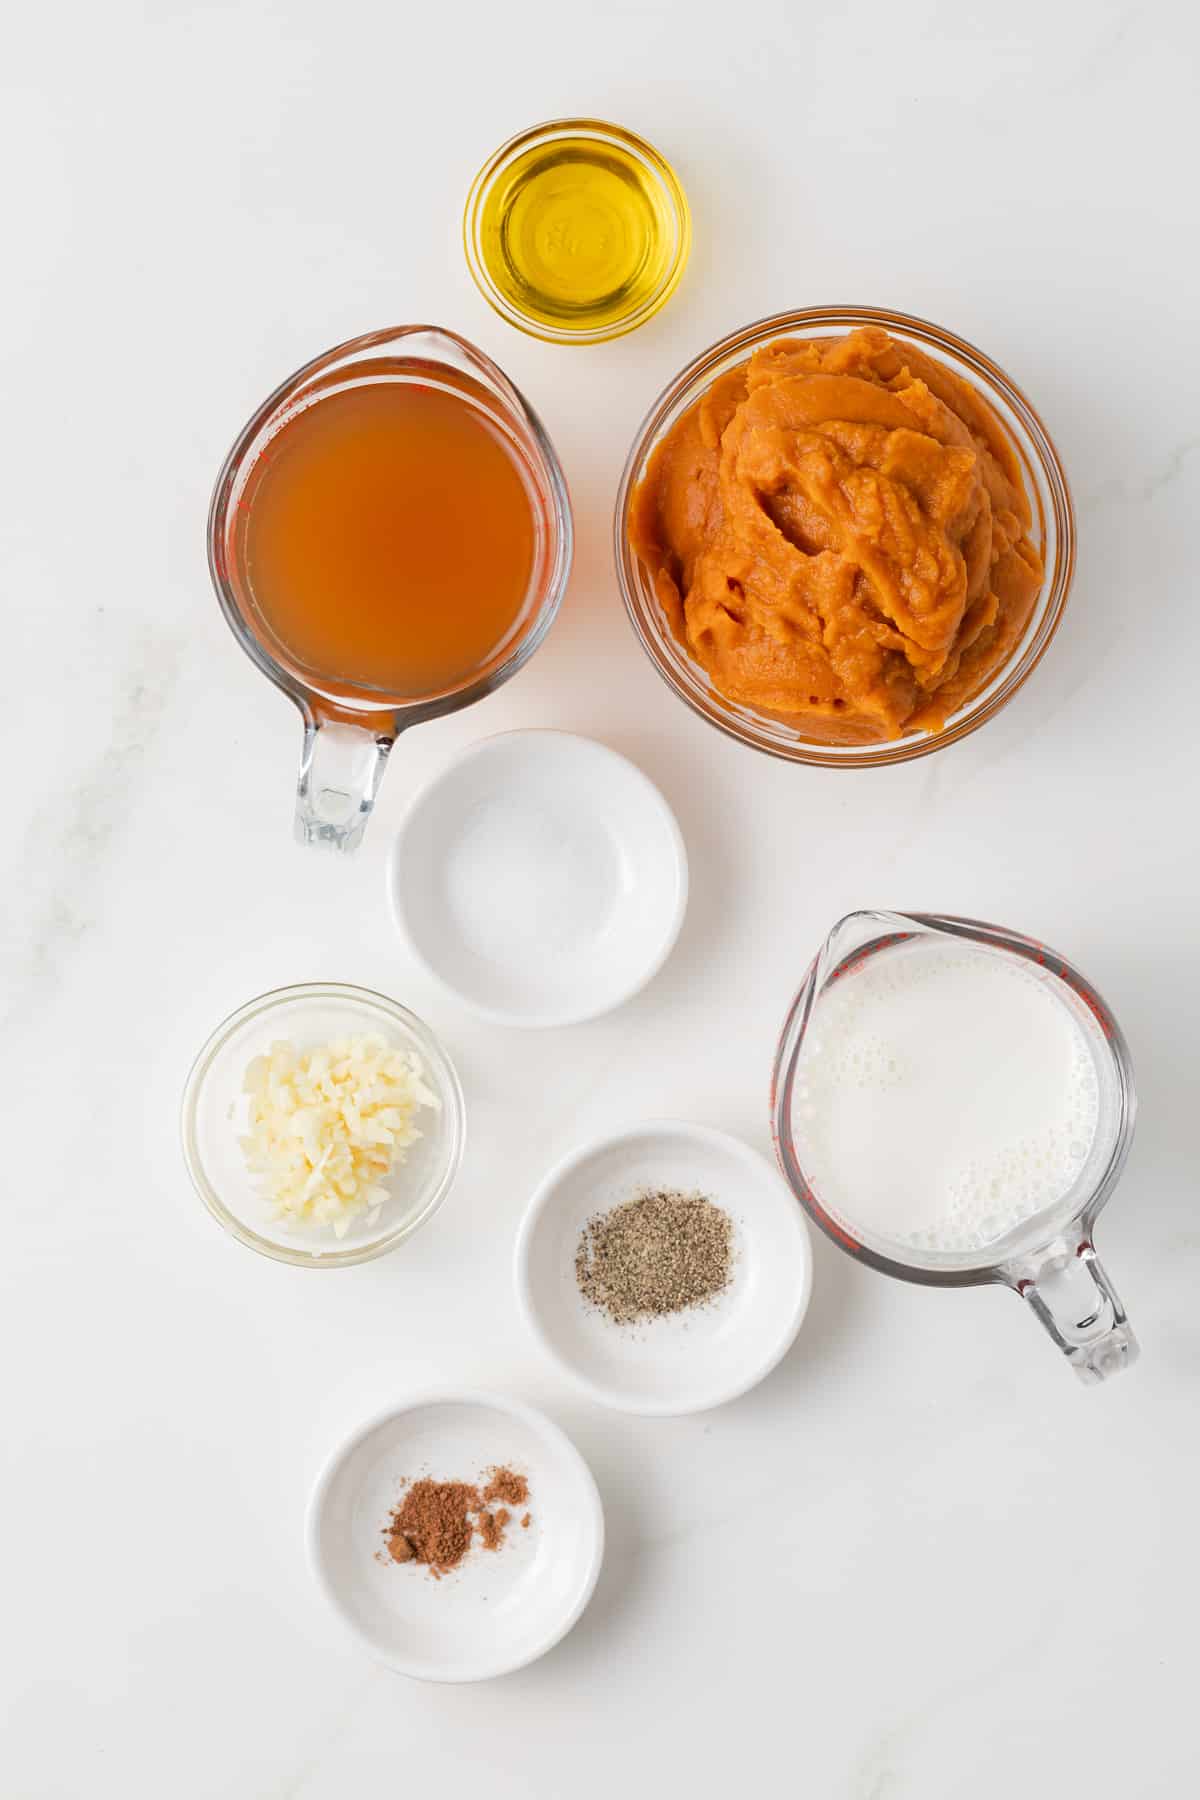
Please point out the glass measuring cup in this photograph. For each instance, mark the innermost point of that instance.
(349, 725)
(1048, 1259)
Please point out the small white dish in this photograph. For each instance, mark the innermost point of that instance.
(213, 1119)
(499, 1609)
(541, 877)
(688, 1361)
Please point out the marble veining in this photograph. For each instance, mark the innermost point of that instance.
(1175, 465)
(73, 830)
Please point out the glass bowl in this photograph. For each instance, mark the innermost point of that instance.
(214, 1106)
(1052, 532)
(670, 205)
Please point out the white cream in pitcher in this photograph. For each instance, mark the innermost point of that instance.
(945, 1093)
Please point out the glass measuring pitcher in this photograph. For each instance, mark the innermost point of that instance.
(1045, 1254)
(353, 712)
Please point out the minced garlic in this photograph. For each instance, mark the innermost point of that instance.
(327, 1125)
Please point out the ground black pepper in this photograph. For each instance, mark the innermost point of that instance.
(660, 1252)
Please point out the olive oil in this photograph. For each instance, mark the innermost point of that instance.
(581, 234)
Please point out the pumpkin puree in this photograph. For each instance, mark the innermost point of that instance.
(837, 532)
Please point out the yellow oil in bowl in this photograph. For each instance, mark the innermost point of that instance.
(577, 231)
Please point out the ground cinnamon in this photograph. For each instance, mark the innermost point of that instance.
(491, 1527)
(506, 1485)
(432, 1524)
(436, 1521)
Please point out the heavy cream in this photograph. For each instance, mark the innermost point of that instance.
(945, 1092)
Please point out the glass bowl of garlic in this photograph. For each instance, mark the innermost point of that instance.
(322, 1124)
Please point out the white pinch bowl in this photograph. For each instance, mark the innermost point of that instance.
(688, 1361)
(499, 1609)
(541, 877)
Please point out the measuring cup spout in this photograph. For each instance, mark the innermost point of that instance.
(869, 929)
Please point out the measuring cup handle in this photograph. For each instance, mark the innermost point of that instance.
(1070, 1291)
(341, 767)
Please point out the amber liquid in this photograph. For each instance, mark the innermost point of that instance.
(387, 538)
(579, 235)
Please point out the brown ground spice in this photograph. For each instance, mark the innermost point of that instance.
(491, 1527)
(436, 1521)
(506, 1485)
(432, 1524)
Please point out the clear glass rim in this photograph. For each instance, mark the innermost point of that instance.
(603, 132)
(1004, 1268)
(759, 731)
(361, 705)
(449, 1087)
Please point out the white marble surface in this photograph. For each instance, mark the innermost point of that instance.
(920, 1561)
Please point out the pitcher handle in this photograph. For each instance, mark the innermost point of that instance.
(1070, 1291)
(341, 767)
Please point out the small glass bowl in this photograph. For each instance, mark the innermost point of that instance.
(213, 1100)
(665, 182)
(1053, 533)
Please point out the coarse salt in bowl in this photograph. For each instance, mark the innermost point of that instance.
(216, 1122)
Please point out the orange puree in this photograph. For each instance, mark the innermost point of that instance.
(838, 533)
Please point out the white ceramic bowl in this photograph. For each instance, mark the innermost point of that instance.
(685, 1362)
(542, 877)
(213, 1119)
(498, 1610)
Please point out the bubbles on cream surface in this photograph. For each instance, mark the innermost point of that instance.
(945, 1093)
